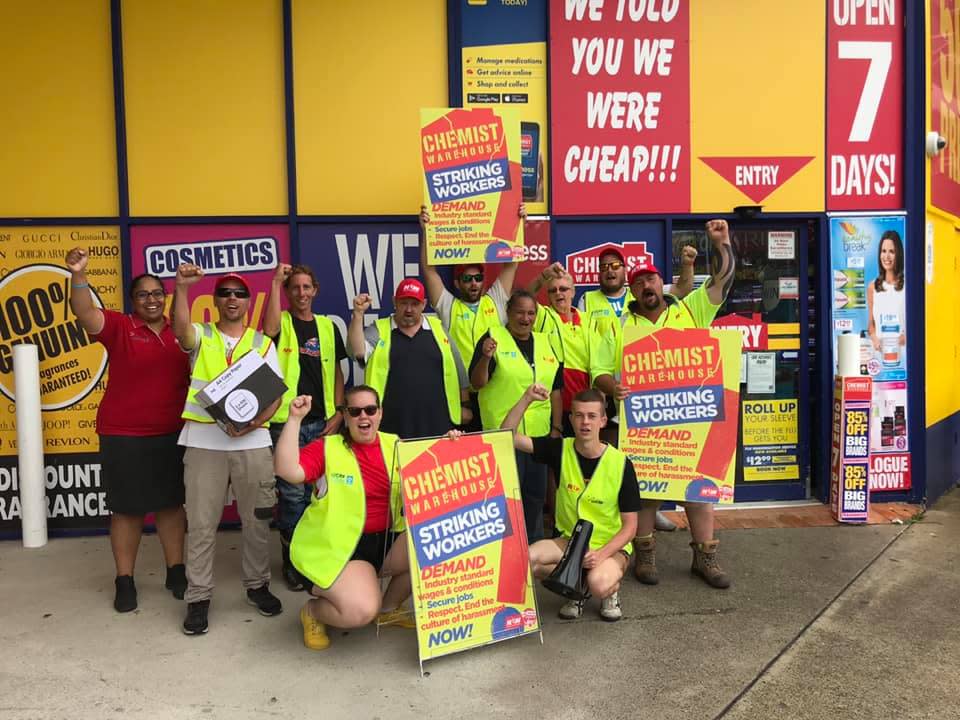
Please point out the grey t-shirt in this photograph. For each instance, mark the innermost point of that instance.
(495, 292)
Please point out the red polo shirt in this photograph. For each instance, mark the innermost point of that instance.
(147, 378)
(373, 473)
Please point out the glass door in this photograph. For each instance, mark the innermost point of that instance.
(768, 304)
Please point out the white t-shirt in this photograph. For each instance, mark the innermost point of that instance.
(209, 436)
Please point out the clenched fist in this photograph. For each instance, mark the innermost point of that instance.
(362, 303)
(688, 255)
(76, 260)
(188, 275)
(718, 232)
(489, 347)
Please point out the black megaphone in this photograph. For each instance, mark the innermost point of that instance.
(568, 578)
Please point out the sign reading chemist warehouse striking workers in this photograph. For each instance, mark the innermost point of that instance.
(678, 425)
(472, 185)
(467, 541)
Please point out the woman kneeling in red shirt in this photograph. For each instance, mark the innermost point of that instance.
(351, 533)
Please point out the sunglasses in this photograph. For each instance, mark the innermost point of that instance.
(560, 289)
(152, 294)
(615, 265)
(368, 410)
(470, 278)
(241, 293)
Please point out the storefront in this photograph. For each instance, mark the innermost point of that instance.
(284, 130)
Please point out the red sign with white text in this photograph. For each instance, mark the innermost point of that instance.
(584, 265)
(620, 88)
(757, 177)
(754, 330)
(865, 105)
(889, 471)
(945, 104)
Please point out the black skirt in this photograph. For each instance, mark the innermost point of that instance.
(141, 474)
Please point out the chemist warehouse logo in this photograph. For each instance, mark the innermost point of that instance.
(217, 257)
(35, 309)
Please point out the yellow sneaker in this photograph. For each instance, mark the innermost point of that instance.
(314, 632)
(399, 617)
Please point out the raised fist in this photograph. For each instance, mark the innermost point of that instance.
(362, 303)
(188, 275)
(537, 392)
(688, 255)
(76, 260)
(489, 347)
(300, 406)
(718, 232)
(282, 272)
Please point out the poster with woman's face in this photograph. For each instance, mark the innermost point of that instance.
(869, 300)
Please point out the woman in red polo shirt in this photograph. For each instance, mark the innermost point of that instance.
(138, 421)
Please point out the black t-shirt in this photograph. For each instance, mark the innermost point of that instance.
(526, 349)
(549, 451)
(311, 375)
(414, 401)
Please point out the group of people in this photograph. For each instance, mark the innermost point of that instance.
(489, 359)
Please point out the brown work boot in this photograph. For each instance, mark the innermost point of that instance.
(705, 564)
(646, 568)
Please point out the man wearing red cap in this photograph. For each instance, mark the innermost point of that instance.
(215, 458)
(410, 361)
(652, 308)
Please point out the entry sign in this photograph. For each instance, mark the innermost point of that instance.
(850, 450)
(467, 542)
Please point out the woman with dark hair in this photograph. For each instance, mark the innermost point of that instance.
(351, 534)
(506, 361)
(138, 421)
(886, 305)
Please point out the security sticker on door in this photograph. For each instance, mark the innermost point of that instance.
(781, 245)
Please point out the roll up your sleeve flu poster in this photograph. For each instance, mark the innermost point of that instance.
(468, 546)
(473, 185)
(679, 421)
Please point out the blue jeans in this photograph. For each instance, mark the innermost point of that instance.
(294, 498)
(533, 493)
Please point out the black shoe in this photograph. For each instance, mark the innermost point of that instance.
(265, 601)
(126, 598)
(177, 580)
(196, 620)
(292, 578)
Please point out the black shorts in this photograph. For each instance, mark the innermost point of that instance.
(373, 548)
(141, 474)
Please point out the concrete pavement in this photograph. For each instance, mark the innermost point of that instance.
(860, 622)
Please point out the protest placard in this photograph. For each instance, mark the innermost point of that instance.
(678, 424)
(469, 564)
(472, 185)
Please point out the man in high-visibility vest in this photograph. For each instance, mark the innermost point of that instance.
(604, 306)
(653, 308)
(215, 458)
(411, 363)
(595, 482)
(310, 348)
(469, 313)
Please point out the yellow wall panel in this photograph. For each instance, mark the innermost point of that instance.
(205, 111)
(57, 138)
(362, 71)
(942, 321)
(757, 89)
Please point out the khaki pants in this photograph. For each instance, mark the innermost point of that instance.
(206, 474)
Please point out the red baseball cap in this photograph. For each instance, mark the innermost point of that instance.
(231, 276)
(410, 288)
(611, 251)
(642, 270)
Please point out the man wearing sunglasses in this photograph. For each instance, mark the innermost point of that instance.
(411, 363)
(214, 458)
(310, 348)
(467, 316)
